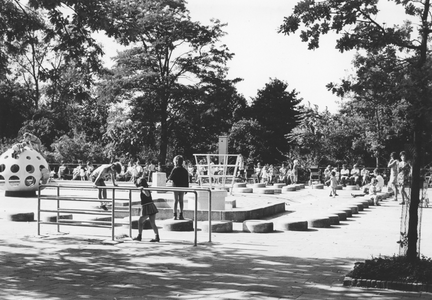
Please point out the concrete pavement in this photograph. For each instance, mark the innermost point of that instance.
(77, 264)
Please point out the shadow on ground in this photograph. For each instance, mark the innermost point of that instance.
(70, 267)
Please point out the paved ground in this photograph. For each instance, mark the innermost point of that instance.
(280, 265)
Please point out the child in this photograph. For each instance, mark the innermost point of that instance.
(332, 182)
(149, 210)
(18, 149)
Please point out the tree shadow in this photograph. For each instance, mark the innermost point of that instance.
(73, 267)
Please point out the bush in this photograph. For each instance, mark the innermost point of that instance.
(396, 268)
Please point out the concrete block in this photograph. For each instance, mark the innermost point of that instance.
(319, 222)
(22, 217)
(292, 225)
(263, 191)
(218, 226)
(217, 197)
(352, 187)
(257, 226)
(61, 217)
(318, 186)
(289, 188)
(334, 219)
(178, 225)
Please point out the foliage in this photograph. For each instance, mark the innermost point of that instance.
(15, 108)
(77, 148)
(246, 138)
(396, 268)
(276, 111)
(166, 48)
(322, 138)
(358, 27)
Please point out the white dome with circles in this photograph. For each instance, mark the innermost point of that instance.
(22, 172)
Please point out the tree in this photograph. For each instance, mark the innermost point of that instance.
(247, 137)
(15, 108)
(170, 57)
(375, 94)
(275, 110)
(359, 28)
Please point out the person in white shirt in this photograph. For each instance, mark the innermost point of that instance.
(344, 173)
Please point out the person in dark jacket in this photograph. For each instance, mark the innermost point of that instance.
(180, 178)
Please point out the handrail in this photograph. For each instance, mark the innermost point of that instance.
(130, 189)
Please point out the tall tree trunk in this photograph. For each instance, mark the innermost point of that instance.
(415, 193)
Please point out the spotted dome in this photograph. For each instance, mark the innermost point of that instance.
(24, 172)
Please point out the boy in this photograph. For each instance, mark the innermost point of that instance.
(98, 177)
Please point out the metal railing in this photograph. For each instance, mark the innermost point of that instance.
(105, 224)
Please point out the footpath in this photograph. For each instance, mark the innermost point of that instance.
(312, 264)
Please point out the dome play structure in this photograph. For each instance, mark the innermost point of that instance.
(22, 170)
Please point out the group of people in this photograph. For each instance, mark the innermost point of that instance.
(80, 172)
(371, 184)
(270, 174)
(179, 177)
(355, 176)
(400, 176)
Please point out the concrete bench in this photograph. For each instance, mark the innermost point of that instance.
(258, 226)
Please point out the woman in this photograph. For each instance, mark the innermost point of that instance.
(180, 178)
(404, 177)
(393, 166)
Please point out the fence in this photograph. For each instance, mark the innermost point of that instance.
(97, 212)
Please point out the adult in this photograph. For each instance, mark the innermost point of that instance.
(151, 169)
(98, 177)
(393, 165)
(327, 175)
(180, 178)
(283, 174)
(241, 166)
(404, 177)
(294, 171)
(365, 175)
(257, 172)
(88, 169)
(355, 178)
(136, 171)
(62, 171)
(344, 173)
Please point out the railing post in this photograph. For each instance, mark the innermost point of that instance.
(130, 213)
(39, 209)
(210, 214)
(113, 214)
(58, 209)
(196, 218)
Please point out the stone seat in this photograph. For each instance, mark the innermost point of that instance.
(218, 226)
(258, 226)
(178, 225)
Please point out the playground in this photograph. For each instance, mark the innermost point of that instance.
(84, 263)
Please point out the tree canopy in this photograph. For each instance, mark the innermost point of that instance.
(358, 27)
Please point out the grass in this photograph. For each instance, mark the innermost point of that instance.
(396, 268)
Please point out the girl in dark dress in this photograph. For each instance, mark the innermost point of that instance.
(149, 210)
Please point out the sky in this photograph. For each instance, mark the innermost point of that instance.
(262, 54)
